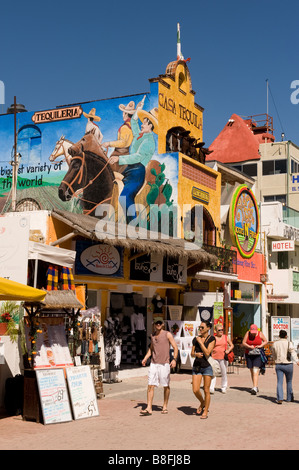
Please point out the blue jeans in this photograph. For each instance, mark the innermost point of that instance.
(133, 181)
(281, 370)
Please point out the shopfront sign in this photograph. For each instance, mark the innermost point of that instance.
(200, 195)
(188, 115)
(283, 245)
(57, 114)
(278, 324)
(244, 221)
(100, 259)
(153, 268)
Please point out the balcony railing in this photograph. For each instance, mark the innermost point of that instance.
(226, 259)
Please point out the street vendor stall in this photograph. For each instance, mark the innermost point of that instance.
(9, 351)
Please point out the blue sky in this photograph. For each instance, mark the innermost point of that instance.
(64, 52)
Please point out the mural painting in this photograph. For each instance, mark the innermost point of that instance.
(77, 158)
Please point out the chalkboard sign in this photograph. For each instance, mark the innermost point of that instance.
(53, 396)
(82, 392)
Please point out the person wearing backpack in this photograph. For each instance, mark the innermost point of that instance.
(284, 355)
(222, 348)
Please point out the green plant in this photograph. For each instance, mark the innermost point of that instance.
(9, 314)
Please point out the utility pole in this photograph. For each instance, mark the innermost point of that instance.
(14, 163)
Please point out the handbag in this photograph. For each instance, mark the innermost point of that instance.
(289, 354)
(215, 366)
(254, 352)
(230, 356)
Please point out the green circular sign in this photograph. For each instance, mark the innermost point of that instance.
(244, 221)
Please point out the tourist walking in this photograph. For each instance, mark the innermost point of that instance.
(202, 346)
(222, 347)
(159, 371)
(253, 341)
(284, 355)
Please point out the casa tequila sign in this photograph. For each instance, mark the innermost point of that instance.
(244, 221)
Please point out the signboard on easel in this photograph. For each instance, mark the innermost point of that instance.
(82, 392)
(53, 396)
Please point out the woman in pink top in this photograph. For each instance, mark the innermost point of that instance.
(223, 345)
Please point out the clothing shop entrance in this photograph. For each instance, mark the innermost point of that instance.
(125, 336)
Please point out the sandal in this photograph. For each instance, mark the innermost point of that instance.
(200, 410)
(204, 416)
(145, 413)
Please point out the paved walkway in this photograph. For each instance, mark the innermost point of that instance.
(237, 420)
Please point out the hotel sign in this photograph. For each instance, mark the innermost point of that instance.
(57, 114)
(285, 245)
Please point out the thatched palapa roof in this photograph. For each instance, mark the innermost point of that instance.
(60, 299)
(146, 243)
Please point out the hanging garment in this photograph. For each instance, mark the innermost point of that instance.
(110, 340)
(67, 279)
(52, 278)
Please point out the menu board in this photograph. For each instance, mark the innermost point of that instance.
(82, 392)
(53, 396)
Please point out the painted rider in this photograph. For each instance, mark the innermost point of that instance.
(141, 152)
(124, 135)
(91, 126)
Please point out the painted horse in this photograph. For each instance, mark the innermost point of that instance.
(61, 148)
(89, 175)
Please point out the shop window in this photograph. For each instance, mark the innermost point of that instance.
(30, 144)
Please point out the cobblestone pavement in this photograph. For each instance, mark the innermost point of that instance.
(237, 420)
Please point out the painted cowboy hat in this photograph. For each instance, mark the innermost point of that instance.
(92, 114)
(130, 108)
(152, 115)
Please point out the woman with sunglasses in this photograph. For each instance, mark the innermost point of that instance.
(223, 346)
(202, 347)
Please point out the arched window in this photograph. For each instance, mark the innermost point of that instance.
(208, 226)
(29, 144)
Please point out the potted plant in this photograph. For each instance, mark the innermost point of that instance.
(9, 319)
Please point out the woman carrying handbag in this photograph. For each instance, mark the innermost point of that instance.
(253, 342)
(222, 348)
(202, 347)
(284, 355)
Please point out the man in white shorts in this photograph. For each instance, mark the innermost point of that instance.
(159, 371)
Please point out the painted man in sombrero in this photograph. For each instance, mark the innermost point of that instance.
(141, 152)
(91, 126)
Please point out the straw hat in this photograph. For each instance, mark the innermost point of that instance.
(130, 108)
(92, 114)
(152, 115)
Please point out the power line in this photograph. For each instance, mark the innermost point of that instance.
(275, 107)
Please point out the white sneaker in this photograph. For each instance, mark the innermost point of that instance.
(254, 391)
(223, 390)
(212, 392)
